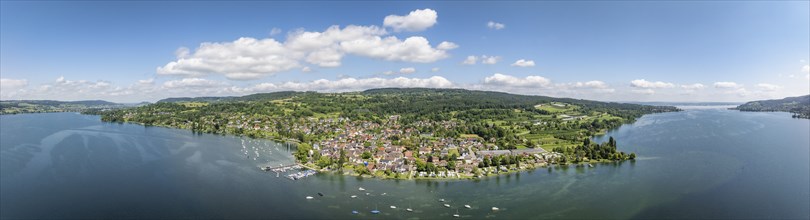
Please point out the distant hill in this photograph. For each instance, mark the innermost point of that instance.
(41, 106)
(424, 100)
(799, 106)
(253, 97)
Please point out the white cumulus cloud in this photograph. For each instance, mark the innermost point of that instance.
(642, 83)
(495, 25)
(354, 84)
(417, 20)
(406, 70)
(726, 85)
(510, 81)
(695, 86)
(470, 60)
(523, 63)
(490, 59)
(250, 58)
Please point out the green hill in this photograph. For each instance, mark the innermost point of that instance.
(799, 106)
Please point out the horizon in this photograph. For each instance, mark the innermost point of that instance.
(692, 52)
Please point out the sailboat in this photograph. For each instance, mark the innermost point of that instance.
(468, 206)
(361, 189)
(456, 215)
(409, 208)
(447, 205)
(375, 211)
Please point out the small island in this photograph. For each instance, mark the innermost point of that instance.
(408, 133)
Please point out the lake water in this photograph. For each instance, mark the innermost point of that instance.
(700, 163)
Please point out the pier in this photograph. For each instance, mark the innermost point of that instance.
(284, 168)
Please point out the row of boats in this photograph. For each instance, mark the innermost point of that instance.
(409, 209)
(302, 174)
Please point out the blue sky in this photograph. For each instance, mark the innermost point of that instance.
(615, 51)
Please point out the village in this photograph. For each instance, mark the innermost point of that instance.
(380, 150)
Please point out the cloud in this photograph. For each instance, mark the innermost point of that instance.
(354, 84)
(192, 82)
(726, 85)
(768, 87)
(444, 45)
(13, 83)
(150, 81)
(490, 59)
(11, 87)
(417, 20)
(495, 25)
(695, 86)
(250, 58)
(590, 84)
(407, 70)
(412, 49)
(470, 60)
(510, 81)
(641, 83)
(245, 58)
(523, 63)
(434, 69)
(306, 69)
(806, 68)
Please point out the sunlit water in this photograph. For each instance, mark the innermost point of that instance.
(701, 163)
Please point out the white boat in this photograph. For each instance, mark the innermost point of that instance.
(590, 165)
(441, 200)
(393, 207)
(361, 189)
(468, 206)
(409, 209)
(495, 208)
(447, 205)
(368, 194)
(310, 197)
(456, 215)
(383, 194)
(354, 196)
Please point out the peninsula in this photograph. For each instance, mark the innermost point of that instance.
(799, 106)
(408, 133)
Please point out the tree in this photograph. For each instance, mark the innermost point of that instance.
(366, 155)
(342, 159)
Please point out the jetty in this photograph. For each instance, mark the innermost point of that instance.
(282, 168)
(303, 171)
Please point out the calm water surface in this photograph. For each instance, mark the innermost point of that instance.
(700, 163)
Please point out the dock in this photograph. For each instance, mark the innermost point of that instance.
(295, 176)
(282, 168)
